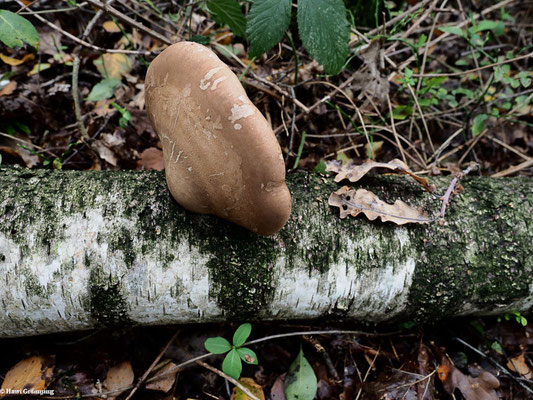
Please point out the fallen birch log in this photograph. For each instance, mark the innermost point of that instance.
(80, 250)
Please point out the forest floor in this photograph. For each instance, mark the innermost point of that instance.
(434, 83)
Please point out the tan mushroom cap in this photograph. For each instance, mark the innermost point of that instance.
(221, 156)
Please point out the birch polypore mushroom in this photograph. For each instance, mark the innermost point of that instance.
(221, 156)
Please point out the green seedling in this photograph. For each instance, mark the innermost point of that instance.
(515, 316)
(232, 364)
(125, 115)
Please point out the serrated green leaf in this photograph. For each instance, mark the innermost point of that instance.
(325, 32)
(103, 90)
(16, 30)
(454, 30)
(241, 334)
(247, 355)
(268, 21)
(217, 345)
(232, 365)
(479, 124)
(228, 12)
(300, 382)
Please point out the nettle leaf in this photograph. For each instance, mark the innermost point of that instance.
(217, 345)
(16, 30)
(325, 32)
(228, 12)
(241, 334)
(247, 355)
(232, 365)
(103, 89)
(268, 21)
(300, 382)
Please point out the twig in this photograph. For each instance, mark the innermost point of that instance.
(510, 148)
(75, 74)
(501, 367)
(368, 372)
(445, 35)
(514, 169)
(327, 359)
(476, 140)
(262, 80)
(83, 42)
(394, 130)
(422, 116)
(229, 378)
(127, 20)
(151, 367)
(394, 20)
(27, 143)
(53, 11)
(446, 198)
(523, 57)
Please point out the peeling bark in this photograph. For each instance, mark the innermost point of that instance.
(80, 250)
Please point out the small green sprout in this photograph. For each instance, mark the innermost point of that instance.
(514, 315)
(232, 364)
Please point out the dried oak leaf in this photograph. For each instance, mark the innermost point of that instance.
(354, 172)
(353, 202)
(34, 373)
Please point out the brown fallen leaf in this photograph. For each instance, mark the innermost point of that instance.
(32, 374)
(119, 376)
(105, 152)
(478, 388)
(165, 383)
(111, 27)
(278, 388)
(19, 146)
(249, 384)
(15, 61)
(518, 365)
(353, 202)
(152, 158)
(114, 65)
(354, 172)
(8, 89)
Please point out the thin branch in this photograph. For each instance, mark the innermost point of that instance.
(229, 378)
(127, 20)
(501, 367)
(152, 366)
(523, 57)
(83, 42)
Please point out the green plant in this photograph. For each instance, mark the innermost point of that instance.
(300, 382)
(516, 316)
(16, 30)
(232, 364)
(125, 115)
(322, 25)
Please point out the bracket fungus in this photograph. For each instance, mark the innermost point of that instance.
(221, 155)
